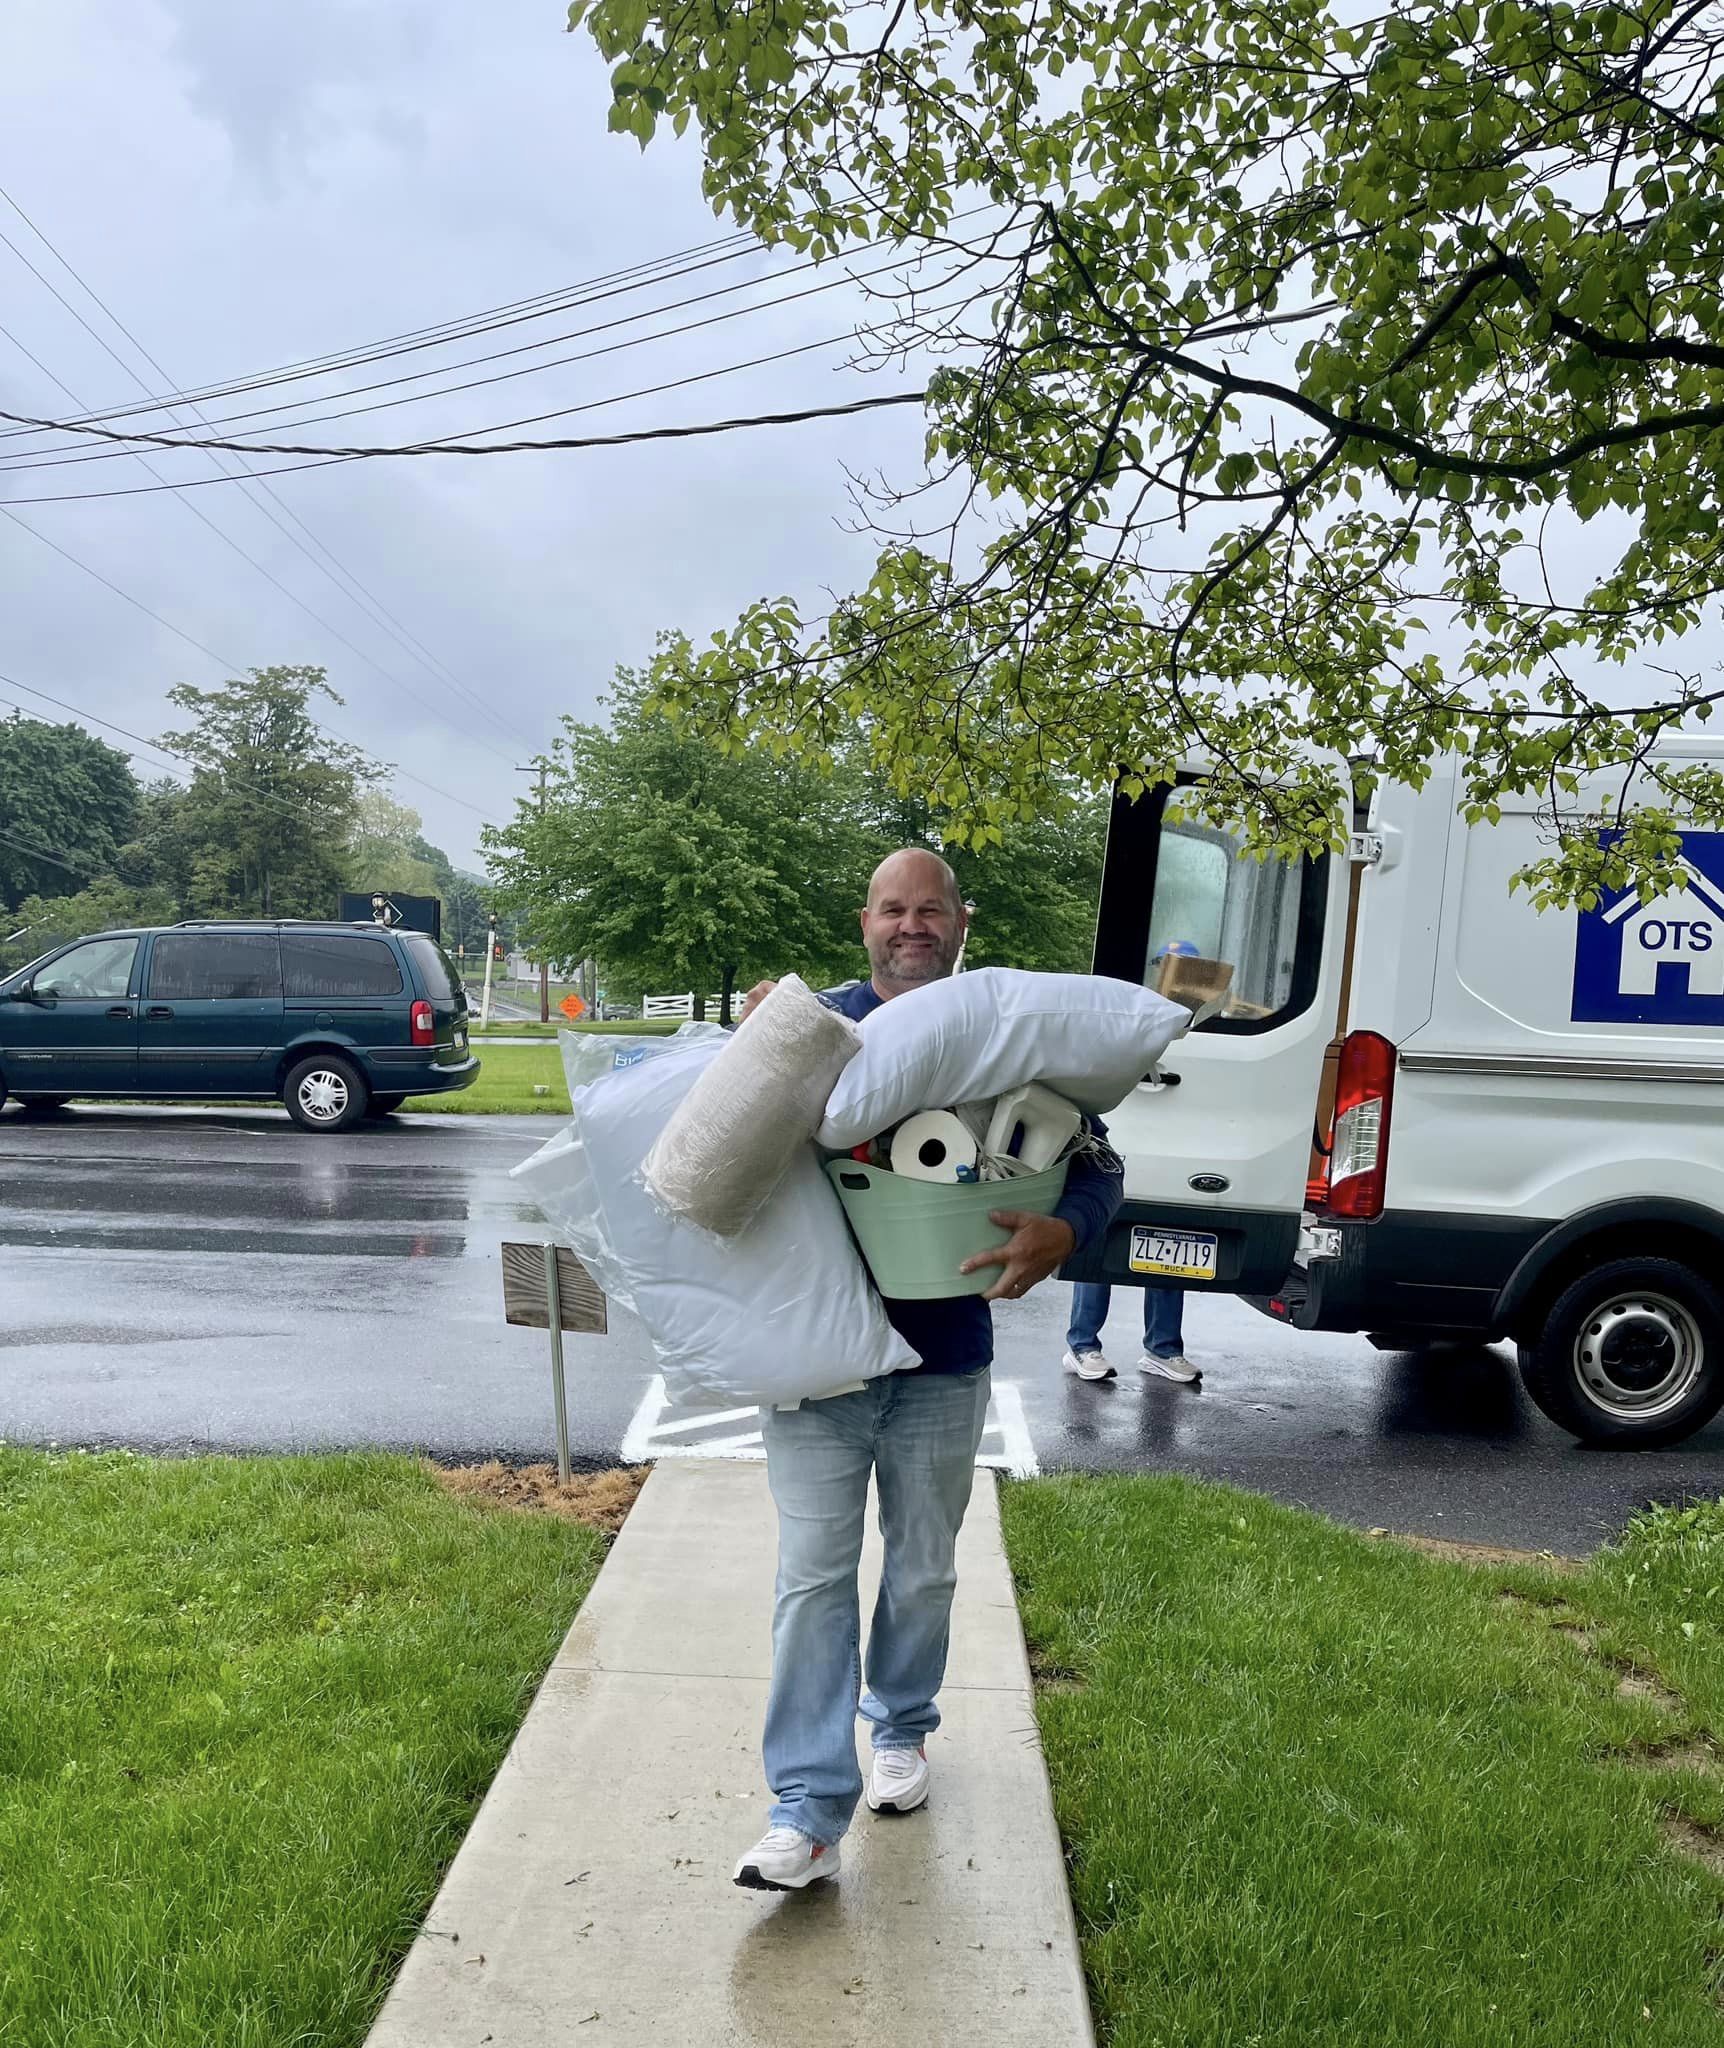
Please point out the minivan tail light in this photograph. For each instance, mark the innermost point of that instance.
(1359, 1149)
(424, 1026)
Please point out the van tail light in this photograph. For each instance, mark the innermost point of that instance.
(424, 1025)
(1359, 1149)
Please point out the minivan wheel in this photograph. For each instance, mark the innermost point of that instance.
(325, 1093)
(1630, 1355)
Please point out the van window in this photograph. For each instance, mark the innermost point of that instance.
(338, 964)
(1217, 908)
(435, 970)
(215, 966)
(97, 972)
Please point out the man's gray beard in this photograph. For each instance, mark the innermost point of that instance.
(938, 967)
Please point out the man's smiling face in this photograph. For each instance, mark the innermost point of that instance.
(914, 923)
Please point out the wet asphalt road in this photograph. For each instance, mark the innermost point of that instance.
(176, 1279)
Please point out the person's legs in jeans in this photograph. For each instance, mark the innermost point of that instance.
(817, 1462)
(1089, 1312)
(1164, 1321)
(925, 1466)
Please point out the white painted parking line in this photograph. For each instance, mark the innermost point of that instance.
(657, 1430)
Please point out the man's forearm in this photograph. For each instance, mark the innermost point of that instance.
(1093, 1193)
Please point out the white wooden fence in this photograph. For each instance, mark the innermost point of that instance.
(683, 1006)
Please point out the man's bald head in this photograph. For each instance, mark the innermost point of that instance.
(913, 925)
(914, 870)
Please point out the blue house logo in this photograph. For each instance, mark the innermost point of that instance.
(1660, 962)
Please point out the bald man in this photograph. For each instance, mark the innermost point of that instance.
(918, 1433)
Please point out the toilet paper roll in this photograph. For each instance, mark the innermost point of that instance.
(933, 1145)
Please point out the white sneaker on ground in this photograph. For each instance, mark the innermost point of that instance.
(1088, 1365)
(784, 1860)
(1176, 1366)
(898, 1781)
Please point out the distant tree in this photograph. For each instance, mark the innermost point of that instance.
(384, 852)
(65, 793)
(680, 867)
(273, 802)
(44, 922)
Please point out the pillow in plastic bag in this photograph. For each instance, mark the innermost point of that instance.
(1086, 1036)
(733, 1137)
(783, 1311)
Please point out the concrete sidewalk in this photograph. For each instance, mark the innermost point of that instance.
(591, 1903)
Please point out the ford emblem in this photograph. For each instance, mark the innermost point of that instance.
(1209, 1183)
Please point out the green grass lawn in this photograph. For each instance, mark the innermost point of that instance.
(247, 1708)
(1320, 1790)
(508, 1075)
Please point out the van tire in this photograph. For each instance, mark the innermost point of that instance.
(325, 1093)
(1630, 1355)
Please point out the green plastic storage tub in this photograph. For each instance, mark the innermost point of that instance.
(915, 1234)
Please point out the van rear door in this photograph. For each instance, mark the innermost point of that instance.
(1217, 1145)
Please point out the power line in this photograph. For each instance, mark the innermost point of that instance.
(610, 284)
(333, 456)
(228, 541)
(57, 457)
(445, 679)
(41, 853)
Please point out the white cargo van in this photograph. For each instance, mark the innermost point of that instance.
(1428, 1111)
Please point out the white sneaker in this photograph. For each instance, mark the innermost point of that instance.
(1088, 1365)
(784, 1860)
(898, 1782)
(1176, 1366)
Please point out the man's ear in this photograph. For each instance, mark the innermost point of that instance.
(862, 918)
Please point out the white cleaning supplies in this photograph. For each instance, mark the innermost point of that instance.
(720, 1158)
(934, 1145)
(1030, 1128)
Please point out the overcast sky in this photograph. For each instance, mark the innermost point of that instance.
(246, 187)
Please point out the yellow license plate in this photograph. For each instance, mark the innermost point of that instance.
(1172, 1254)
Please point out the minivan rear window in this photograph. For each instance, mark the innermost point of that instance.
(338, 964)
(435, 968)
(215, 966)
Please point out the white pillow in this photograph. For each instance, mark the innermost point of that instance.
(783, 1311)
(1089, 1038)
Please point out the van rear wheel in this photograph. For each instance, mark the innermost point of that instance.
(1630, 1355)
(325, 1093)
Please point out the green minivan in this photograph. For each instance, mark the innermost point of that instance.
(336, 1021)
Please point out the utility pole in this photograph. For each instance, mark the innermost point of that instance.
(544, 962)
(490, 955)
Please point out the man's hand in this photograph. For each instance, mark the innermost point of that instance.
(1038, 1246)
(755, 996)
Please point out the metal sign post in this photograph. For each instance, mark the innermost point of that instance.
(545, 1287)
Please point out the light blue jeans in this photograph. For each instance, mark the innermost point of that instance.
(1163, 1319)
(918, 1432)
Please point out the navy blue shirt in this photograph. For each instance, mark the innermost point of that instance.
(957, 1335)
